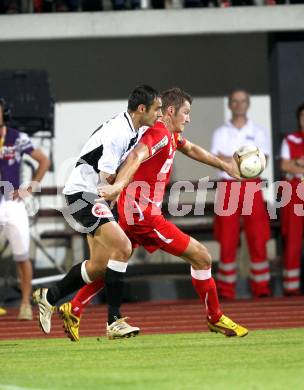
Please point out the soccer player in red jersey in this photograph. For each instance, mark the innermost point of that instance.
(140, 216)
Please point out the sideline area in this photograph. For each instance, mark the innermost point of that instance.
(168, 317)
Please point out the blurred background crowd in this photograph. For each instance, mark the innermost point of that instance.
(39, 6)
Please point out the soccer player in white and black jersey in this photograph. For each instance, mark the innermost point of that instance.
(109, 247)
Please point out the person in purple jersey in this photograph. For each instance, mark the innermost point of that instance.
(14, 223)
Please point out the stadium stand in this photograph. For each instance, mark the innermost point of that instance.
(47, 6)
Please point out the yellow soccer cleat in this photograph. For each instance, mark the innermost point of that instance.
(71, 322)
(121, 329)
(2, 311)
(227, 327)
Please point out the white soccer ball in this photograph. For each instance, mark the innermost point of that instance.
(251, 161)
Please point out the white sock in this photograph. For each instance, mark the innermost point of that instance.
(201, 274)
(84, 273)
(118, 266)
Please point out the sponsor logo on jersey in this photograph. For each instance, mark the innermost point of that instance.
(100, 210)
(9, 153)
(160, 145)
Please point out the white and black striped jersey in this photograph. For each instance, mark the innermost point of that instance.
(105, 150)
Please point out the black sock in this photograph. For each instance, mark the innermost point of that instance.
(71, 282)
(114, 282)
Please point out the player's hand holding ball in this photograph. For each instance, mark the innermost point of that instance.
(250, 160)
(231, 168)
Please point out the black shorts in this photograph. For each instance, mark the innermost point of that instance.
(89, 214)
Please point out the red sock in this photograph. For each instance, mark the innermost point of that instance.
(206, 289)
(85, 295)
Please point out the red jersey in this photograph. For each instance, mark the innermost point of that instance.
(295, 143)
(139, 205)
(149, 182)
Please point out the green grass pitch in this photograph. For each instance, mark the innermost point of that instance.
(272, 359)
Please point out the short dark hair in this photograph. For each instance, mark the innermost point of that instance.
(299, 110)
(143, 94)
(235, 90)
(175, 97)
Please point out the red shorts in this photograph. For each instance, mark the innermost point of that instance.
(155, 232)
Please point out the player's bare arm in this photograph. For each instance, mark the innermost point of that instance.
(125, 173)
(106, 178)
(43, 164)
(196, 152)
(225, 158)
